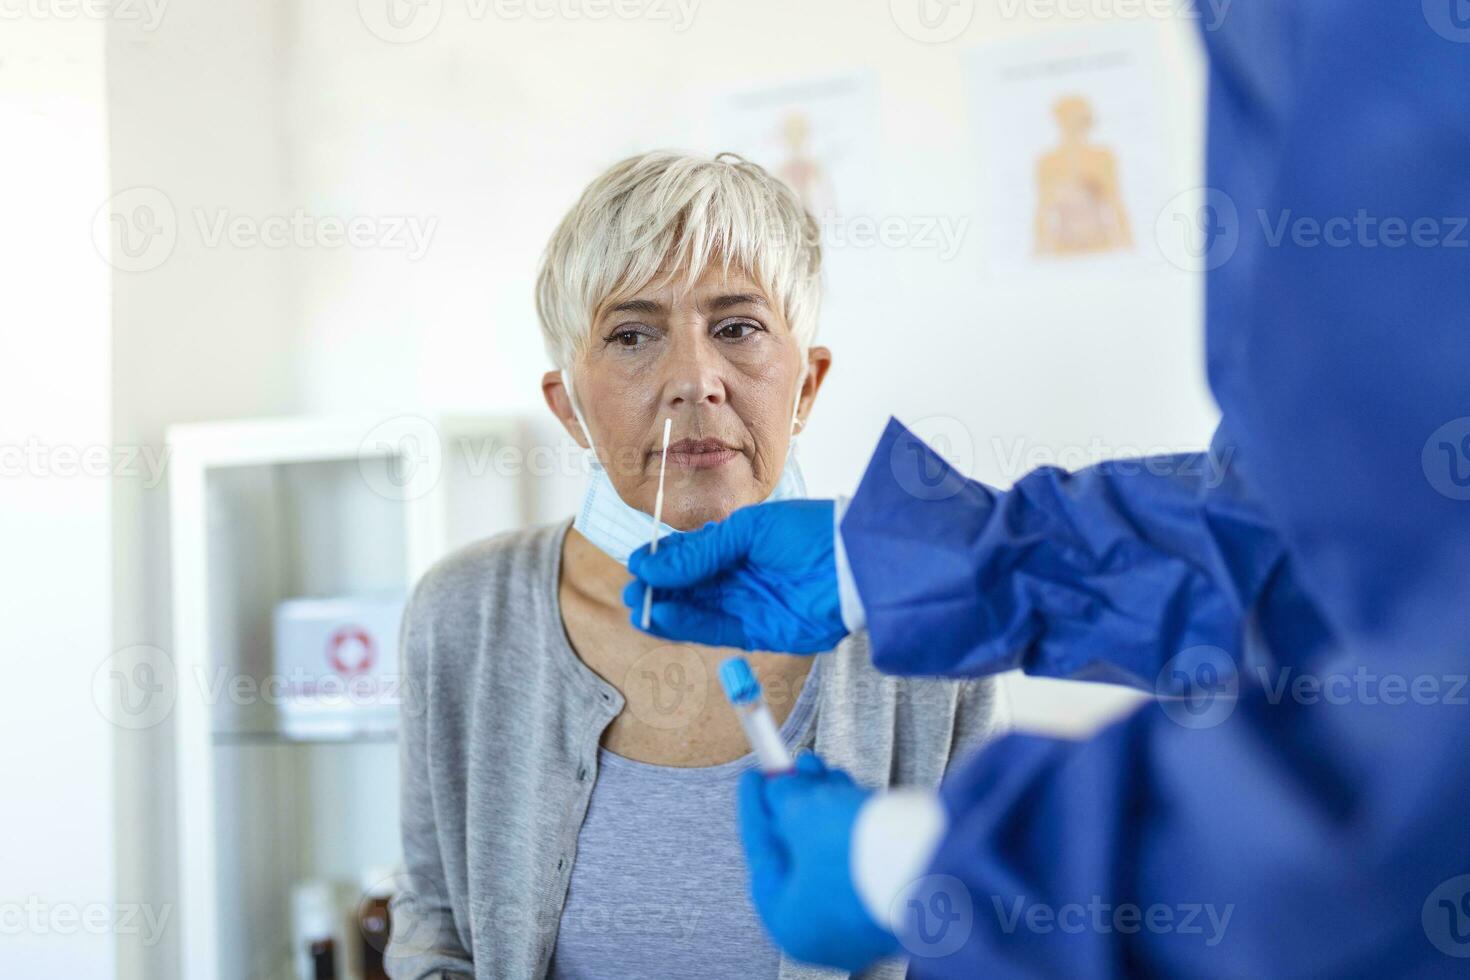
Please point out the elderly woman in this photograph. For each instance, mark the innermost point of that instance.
(569, 782)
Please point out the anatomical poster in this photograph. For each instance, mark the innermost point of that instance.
(1072, 157)
(819, 135)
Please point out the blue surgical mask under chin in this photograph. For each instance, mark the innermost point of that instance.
(619, 530)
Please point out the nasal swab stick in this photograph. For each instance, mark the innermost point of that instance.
(658, 516)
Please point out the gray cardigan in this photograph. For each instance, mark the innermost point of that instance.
(500, 729)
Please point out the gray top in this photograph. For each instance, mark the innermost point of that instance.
(501, 727)
(674, 905)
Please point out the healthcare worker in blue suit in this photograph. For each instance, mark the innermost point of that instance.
(1303, 808)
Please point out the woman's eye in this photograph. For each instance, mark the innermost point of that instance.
(627, 337)
(736, 329)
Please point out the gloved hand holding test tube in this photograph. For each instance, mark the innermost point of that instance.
(744, 692)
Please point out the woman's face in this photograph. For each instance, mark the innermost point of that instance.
(720, 361)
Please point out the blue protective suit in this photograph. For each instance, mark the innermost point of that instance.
(1336, 544)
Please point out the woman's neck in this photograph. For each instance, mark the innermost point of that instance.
(593, 574)
(699, 729)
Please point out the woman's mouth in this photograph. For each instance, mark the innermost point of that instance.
(700, 454)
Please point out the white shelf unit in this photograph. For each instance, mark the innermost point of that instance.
(267, 510)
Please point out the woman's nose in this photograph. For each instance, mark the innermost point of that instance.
(693, 377)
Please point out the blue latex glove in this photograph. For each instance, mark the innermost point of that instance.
(763, 579)
(797, 832)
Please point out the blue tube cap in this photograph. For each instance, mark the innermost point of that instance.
(739, 681)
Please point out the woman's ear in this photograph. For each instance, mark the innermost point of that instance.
(818, 362)
(559, 400)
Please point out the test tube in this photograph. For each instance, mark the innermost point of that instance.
(744, 692)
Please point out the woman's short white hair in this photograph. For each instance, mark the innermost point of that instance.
(667, 211)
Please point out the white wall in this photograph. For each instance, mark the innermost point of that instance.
(203, 331)
(57, 908)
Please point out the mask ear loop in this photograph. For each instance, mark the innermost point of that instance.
(796, 421)
(566, 382)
